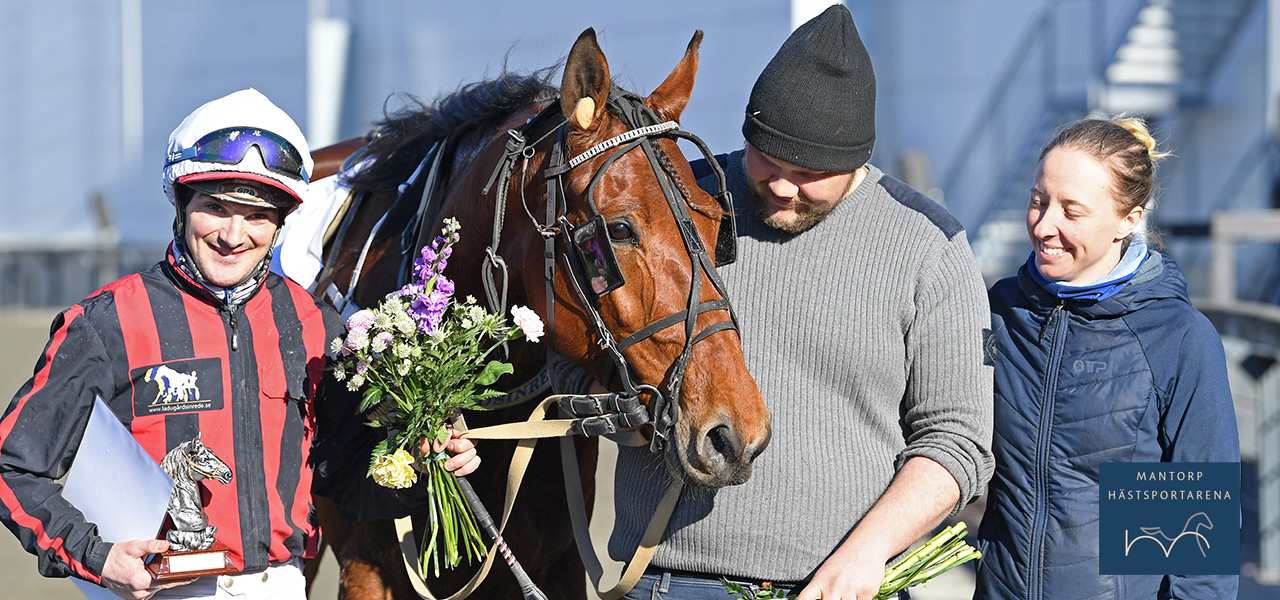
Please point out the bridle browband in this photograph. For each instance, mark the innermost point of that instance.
(588, 244)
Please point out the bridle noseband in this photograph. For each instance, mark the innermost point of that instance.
(587, 254)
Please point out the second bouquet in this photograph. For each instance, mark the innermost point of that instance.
(421, 357)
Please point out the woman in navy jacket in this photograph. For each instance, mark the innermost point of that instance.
(1099, 358)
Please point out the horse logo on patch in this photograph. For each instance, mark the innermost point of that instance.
(177, 386)
(173, 385)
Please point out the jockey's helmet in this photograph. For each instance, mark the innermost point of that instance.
(241, 148)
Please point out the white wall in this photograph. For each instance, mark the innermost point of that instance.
(61, 108)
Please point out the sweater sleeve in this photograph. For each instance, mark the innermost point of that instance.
(947, 408)
(39, 436)
(567, 377)
(1198, 424)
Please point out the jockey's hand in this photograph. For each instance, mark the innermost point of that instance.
(125, 574)
(464, 460)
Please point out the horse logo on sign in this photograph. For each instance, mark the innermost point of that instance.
(1194, 524)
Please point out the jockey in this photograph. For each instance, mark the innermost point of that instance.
(212, 154)
(252, 345)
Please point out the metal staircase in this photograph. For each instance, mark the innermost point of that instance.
(1144, 57)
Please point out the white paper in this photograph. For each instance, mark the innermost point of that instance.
(117, 485)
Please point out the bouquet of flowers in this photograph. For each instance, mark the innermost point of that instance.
(421, 356)
(939, 555)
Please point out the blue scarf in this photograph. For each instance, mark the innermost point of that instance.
(1101, 289)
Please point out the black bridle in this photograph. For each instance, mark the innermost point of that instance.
(587, 254)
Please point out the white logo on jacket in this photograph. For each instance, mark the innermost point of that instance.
(174, 386)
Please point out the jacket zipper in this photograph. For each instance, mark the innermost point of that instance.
(1039, 516)
(248, 474)
(235, 335)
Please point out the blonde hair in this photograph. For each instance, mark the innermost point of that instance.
(1128, 150)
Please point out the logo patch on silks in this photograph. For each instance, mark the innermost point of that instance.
(177, 386)
(1169, 519)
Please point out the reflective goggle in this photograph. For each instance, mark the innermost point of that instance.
(229, 146)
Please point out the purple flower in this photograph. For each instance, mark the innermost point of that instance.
(428, 309)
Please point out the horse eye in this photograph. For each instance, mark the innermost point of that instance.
(620, 231)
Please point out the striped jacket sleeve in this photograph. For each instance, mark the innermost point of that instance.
(39, 434)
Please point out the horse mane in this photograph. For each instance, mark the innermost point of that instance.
(174, 463)
(404, 136)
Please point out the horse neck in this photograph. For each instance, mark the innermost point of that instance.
(175, 465)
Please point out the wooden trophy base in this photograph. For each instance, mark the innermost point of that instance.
(174, 564)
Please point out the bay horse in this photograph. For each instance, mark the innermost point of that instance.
(618, 270)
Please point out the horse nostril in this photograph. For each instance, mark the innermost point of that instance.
(725, 443)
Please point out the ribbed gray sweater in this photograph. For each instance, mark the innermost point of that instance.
(864, 334)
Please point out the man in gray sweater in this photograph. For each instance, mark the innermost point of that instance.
(862, 313)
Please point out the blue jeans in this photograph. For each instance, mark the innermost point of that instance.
(658, 584)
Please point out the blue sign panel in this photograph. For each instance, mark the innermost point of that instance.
(1169, 519)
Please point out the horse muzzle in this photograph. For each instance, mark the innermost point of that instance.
(714, 455)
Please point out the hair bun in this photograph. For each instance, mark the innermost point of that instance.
(1138, 128)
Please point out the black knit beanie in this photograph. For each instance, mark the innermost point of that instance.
(814, 105)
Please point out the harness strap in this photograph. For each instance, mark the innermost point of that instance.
(648, 545)
(538, 426)
(421, 218)
(496, 298)
(672, 319)
(348, 305)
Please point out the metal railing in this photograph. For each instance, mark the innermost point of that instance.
(1255, 327)
(1061, 55)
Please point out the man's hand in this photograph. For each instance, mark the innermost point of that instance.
(921, 494)
(847, 575)
(464, 459)
(125, 574)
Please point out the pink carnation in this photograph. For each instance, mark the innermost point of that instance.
(528, 322)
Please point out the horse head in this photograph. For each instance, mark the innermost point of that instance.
(204, 464)
(594, 191)
(651, 281)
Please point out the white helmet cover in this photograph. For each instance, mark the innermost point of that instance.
(245, 108)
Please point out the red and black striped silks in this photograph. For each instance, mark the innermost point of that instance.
(172, 362)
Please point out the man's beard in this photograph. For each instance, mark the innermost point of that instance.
(806, 214)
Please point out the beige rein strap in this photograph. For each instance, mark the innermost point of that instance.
(528, 433)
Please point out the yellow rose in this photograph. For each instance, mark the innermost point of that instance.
(395, 470)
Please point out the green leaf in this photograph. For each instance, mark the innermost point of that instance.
(383, 448)
(372, 396)
(492, 371)
(735, 588)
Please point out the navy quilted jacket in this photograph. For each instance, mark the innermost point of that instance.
(1140, 377)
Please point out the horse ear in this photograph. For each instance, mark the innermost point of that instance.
(670, 99)
(586, 82)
